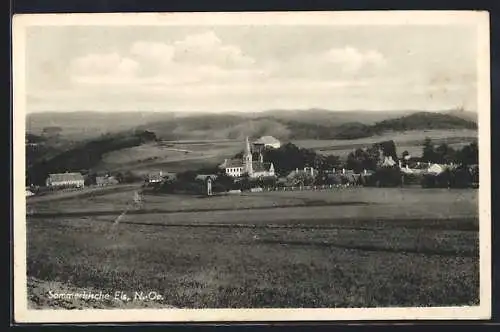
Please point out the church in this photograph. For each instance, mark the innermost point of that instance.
(246, 165)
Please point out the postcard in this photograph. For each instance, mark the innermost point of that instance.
(259, 166)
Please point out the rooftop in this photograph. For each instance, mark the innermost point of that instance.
(60, 177)
(266, 140)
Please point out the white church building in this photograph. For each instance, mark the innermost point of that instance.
(246, 165)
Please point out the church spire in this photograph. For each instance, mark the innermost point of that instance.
(247, 147)
(247, 157)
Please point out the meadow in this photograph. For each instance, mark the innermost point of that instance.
(357, 247)
(178, 157)
(411, 141)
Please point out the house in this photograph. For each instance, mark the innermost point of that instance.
(29, 193)
(155, 177)
(267, 142)
(65, 180)
(106, 180)
(415, 167)
(246, 165)
(388, 162)
(435, 169)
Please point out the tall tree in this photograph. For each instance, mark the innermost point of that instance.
(389, 149)
(444, 154)
(469, 155)
(428, 153)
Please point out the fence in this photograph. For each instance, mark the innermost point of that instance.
(297, 188)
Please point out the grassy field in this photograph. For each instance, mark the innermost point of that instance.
(154, 156)
(359, 247)
(410, 140)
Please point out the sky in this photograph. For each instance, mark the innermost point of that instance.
(250, 68)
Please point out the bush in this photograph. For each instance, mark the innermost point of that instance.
(130, 177)
(441, 180)
(409, 179)
(268, 181)
(462, 178)
(457, 178)
(335, 179)
(183, 187)
(385, 177)
(220, 188)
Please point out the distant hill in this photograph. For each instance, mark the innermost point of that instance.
(283, 124)
(221, 126)
(88, 124)
(327, 117)
(423, 121)
(466, 115)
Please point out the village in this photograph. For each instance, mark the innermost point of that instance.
(254, 170)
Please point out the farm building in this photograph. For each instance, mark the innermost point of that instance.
(414, 167)
(267, 142)
(65, 180)
(424, 167)
(155, 177)
(246, 165)
(105, 180)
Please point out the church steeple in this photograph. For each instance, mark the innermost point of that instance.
(247, 157)
(248, 150)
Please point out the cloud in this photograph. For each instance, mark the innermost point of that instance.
(203, 58)
(331, 64)
(194, 59)
(103, 67)
(204, 72)
(203, 49)
(158, 52)
(207, 48)
(352, 59)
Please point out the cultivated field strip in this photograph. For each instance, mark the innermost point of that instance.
(264, 267)
(400, 247)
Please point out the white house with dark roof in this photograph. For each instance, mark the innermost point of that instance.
(246, 165)
(267, 142)
(65, 180)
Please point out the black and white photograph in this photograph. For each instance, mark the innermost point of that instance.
(251, 166)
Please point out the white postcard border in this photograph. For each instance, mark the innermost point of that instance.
(24, 315)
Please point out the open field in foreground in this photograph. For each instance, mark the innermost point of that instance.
(361, 248)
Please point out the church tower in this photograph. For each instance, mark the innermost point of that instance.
(247, 158)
